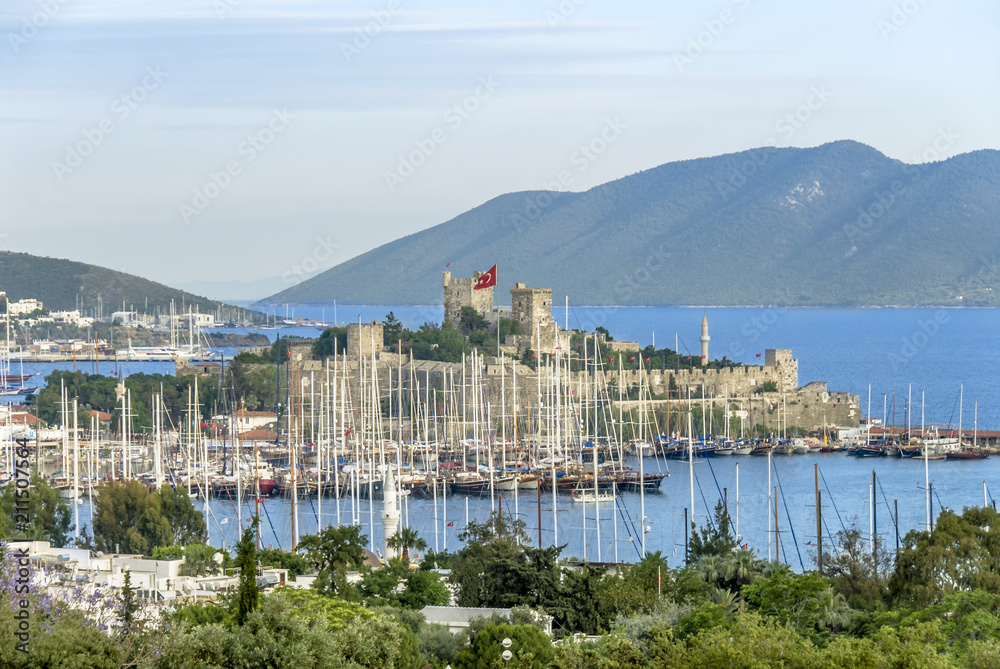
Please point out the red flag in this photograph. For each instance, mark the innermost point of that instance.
(647, 359)
(487, 280)
(348, 432)
(631, 358)
(758, 355)
(702, 357)
(451, 524)
(532, 355)
(723, 357)
(611, 359)
(447, 265)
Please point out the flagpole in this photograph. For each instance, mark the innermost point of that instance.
(496, 294)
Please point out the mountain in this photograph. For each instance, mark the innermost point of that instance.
(837, 224)
(67, 284)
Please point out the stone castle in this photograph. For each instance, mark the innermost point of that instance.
(772, 389)
(530, 307)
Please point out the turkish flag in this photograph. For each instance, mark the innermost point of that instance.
(487, 280)
(451, 524)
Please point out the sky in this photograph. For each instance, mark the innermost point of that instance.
(237, 147)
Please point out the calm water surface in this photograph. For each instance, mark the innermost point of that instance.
(895, 351)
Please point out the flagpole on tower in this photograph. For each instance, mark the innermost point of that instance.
(496, 294)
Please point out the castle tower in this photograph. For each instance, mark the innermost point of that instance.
(460, 293)
(390, 511)
(363, 338)
(704, 340)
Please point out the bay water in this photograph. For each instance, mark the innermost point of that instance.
(928, 353)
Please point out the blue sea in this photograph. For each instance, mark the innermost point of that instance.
(929, 353)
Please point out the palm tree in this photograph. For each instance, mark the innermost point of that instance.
(742, 568)
(709, 567)
(834, 611)
(654, 560)
(727, 599)
(404, 540)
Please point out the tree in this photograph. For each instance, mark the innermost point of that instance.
(635, 589)
(330, 339)
(331, 553)
(199, 560)
(498, 568)
(581, 607)
(283, 632)
(293, 562)
(962, 553)
(834, 611)
(710, 568)
(529, 645)
(861, 577)
(248, 591)
(129, 519)
(392, 329)
(187, 525)
(470, 320)
(130, 604)
(48, 514)
(741, 568)
(424, 588)
(717, 539)
(509, 326)
(803, 601)
(254, 384)
(405, 539)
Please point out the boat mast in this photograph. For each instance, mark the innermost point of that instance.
(927, 476)
(76, 476)
(513, 427)
(553, 451)
(737, 500)
(691, 455)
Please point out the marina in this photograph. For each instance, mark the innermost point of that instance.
(446, 463)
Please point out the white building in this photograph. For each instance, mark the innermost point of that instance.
(23, 306)
(246, 421)
(61, 570)
(70, 318)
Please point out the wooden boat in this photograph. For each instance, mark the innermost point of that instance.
(968, 454)
(629, 480)
(469, 483)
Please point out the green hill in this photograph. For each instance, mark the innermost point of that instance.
(67, 284)
(838, 224)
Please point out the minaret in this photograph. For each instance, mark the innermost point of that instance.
(390, 511)
(704, 340)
